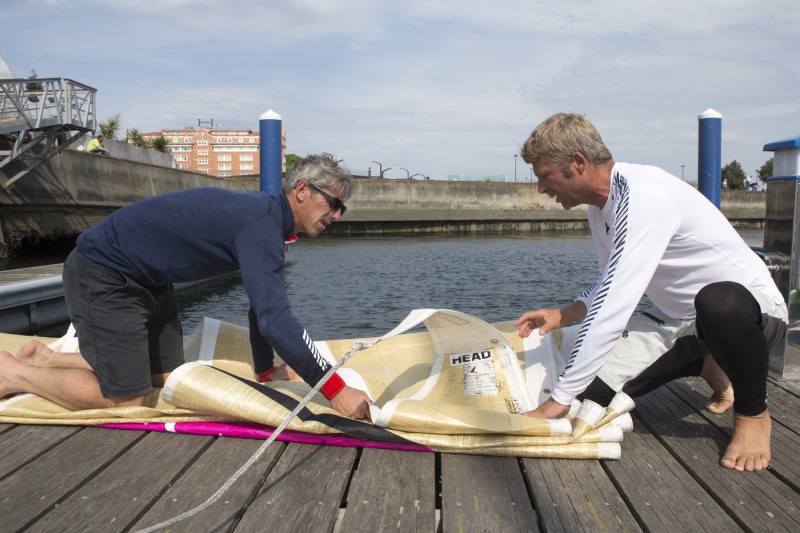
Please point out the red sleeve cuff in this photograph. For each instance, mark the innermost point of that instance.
(333, 386)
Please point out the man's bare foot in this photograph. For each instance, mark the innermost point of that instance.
(749, 448)
(283, 373)
(34, 353)
(7, 362)
(722, 393)
(720, 402)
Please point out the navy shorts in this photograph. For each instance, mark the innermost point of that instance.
(126, 332)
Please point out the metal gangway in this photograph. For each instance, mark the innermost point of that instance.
(40, 117)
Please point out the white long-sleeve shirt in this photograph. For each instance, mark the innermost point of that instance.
(656, 235)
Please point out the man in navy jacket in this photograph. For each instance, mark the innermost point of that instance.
(118, 287)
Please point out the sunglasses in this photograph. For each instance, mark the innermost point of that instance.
(335, 203)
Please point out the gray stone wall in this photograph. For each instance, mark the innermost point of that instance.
(75, 190)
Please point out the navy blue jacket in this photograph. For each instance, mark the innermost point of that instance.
(195, 234)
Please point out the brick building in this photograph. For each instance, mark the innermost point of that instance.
(221, 152)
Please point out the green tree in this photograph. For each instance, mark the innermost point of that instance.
(159, 144)
(734, 174)
(292, 160)
(110, 127)
(765, 172)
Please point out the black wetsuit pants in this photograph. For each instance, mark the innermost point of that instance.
(729, 326)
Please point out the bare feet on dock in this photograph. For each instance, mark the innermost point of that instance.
(34, 353)
(721, 401)
(722, 393)
(749, 448)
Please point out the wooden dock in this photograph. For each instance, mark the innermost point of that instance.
(57, 478)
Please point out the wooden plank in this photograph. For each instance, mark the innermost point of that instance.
(116, 496)
(792, 386)
(663, 495)
(485, 494)
(23, 444)
(785, 413)
(392, 491)
(576, 495)
(207, 475)
(784, 405)
(303, 491)
(756, 500)
(38, 486)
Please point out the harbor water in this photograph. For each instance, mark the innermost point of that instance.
(348, 287)
(364, 287)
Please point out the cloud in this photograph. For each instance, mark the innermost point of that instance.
(434, 86)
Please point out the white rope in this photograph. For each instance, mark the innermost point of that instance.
(357, 346)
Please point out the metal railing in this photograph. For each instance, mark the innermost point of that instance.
(39, 117)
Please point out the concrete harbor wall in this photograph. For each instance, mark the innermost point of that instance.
(75, 190)
(131, 152)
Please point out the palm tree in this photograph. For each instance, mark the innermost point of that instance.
(110, 127)
(159, 144)
(137, 139)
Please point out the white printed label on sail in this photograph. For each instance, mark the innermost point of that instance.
(480, 378)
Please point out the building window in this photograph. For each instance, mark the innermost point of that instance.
(183, 167)
(236, 148)
(223, 167)
(202, 152)
(202, 143)
(246, 157)
(181, 158)
(224, 175)
(202, 161)
(223, 157)
(246, 167)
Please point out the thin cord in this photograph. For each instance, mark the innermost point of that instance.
(357, 346)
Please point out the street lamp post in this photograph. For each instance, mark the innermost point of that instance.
(417, 174)
(682, 166)
(515, 167)
(407, 172)
(380, 169)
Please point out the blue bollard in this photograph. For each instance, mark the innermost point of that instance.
(271, 152)
(709, 155)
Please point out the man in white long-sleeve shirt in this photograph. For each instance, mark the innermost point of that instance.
(657, 236)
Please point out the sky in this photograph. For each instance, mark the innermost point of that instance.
(436, 87)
